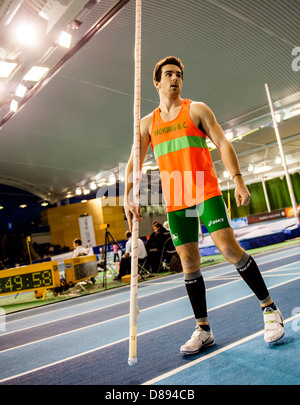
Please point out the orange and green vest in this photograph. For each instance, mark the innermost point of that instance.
(184, 160)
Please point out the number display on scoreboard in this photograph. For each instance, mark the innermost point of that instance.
(78, 269)
(29, 278)
(84, 270)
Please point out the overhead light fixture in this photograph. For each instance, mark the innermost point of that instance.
(27, 35)
(86, 191)
(262, 169)
(226, 174)
(35, 73)
(210, 144)
(21, 91)
(69, 195)
(23, 206)
(277, 117)
(78, 191)
(250, 168)
(83, 201)
(65, 39)
(44, 204)
(13, 105)
(6, 68)
(229, 135)
(295, 112)
(278, 160)
(93, 186)
(1, 207)
(112, 180)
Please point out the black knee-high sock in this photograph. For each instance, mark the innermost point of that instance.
(196, 291)
(250, 273)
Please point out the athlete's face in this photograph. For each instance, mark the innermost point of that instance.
(171, 80)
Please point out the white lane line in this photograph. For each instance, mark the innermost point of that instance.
(210, 355)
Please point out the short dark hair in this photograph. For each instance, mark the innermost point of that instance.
(169, 60)
(77, 241)
(159, 226)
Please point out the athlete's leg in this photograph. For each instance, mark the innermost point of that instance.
(226, 242)
(184, 229)
(215, 217)
(190, 261)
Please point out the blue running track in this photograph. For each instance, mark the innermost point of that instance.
(84, 341)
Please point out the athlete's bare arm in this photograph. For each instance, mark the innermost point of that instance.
(130, 209)
(200, 112)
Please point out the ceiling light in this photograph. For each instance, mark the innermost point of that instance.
(262, 169)
(112, 180)
(226, 174)
(69, 195)
(65, 39)
(86, 191)
(21, 90)
(13, 105)
(27, 35)
(78, 191)
(250, 168)
(229, 135)
(278, 160)
(83, 201)
(44, 204)
(277, 117)
(295, 112)
(23, 206)
(35, 73)
(1, 207)
(93, 186)
(6, 68)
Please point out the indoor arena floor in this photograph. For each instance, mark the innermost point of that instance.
(84, 341)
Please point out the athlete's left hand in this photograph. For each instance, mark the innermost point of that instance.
(242, 195)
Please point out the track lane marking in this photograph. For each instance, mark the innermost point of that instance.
(143, 310)
(149, 283)
(210, 355)
(126, 338)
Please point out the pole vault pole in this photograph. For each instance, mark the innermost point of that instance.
(133, 312)
(287, 174)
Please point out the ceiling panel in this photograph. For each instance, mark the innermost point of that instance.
(80, 123)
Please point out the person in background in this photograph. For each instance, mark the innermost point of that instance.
(155, 245)
(79, 250)
(116, 253)
(125, 263)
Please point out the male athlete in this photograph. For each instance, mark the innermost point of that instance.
(177, 131)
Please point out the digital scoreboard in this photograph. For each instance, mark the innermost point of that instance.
(80, 268)
(40, 276)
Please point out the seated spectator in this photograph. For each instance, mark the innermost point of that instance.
(125, 263)
(155, 245)
(79, 250)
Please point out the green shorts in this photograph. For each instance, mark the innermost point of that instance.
(184, 224)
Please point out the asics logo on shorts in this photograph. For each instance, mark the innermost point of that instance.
(216, 221)
(175, 237)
